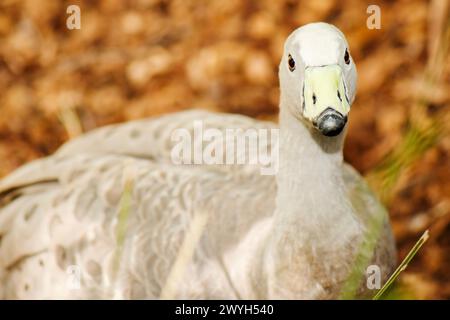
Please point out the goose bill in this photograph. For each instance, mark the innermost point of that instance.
(325, 99)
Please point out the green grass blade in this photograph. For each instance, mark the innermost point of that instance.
(402, 265)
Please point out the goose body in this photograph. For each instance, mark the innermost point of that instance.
(193, 231)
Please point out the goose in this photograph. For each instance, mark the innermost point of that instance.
(110, 215)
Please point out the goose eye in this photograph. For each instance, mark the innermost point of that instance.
(346, 57)
(291, 63)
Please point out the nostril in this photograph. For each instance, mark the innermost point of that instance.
(314, 98)
(339, 96)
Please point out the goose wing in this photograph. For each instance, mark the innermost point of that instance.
(149, 139)
(109, 212)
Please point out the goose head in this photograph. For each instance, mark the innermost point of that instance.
(318, 77)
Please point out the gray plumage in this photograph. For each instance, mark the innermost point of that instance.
(295, 235)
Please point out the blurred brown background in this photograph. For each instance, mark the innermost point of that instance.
(134, 59)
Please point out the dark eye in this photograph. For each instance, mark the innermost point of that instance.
(291, 63)
(346, 57)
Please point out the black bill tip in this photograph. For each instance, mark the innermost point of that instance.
(330, 122)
